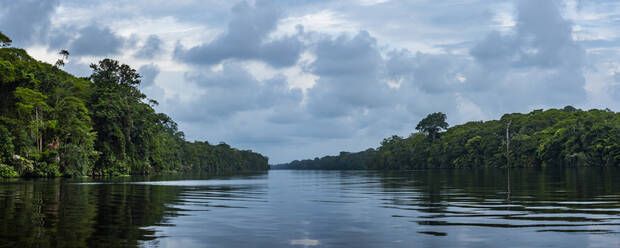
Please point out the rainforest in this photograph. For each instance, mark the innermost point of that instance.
(566, 137)
(53, 124)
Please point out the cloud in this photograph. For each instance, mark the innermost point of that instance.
(150, 48)
(538, 64)
(78, 68)
(233, 90)
(615, 88)
(247, 39)
(26, 21)
(96, 40)
(370, 70)
(350, 76)
(543, 38)
(148, 73)
(362, 91)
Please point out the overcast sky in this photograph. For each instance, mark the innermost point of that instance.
(307, 78)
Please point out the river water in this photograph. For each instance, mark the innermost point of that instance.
(285, 208)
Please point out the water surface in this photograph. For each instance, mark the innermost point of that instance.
(429, 208)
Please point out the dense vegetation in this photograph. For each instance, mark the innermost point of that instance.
(54, 124)
(555, 137)
(344, 161)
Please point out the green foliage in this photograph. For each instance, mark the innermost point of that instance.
(43, 169)
(558, 138)
(59, 125)
(6, 145)
(567, 137)
(432, 124)
(7, 171)
(344, 161)
(4, 40)
(75, 137)
(23, 166)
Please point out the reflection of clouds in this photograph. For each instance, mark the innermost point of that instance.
(305, 242)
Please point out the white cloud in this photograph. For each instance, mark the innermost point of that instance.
(324, 21)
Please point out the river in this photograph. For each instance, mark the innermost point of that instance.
(285, 208)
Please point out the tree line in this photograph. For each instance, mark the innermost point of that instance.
(541, 138)
(54, 124)
(343, 161)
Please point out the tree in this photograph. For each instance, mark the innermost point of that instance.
(116, 105)
(75, 137)
(433, 124)
(64, 55)
(4, 40)
(31, 104)
(6, 145)
(569, 109)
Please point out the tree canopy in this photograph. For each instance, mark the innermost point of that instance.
(550, 138)
(54, 124)
(433, 124)
(5, 41)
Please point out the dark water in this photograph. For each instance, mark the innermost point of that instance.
(434, 208)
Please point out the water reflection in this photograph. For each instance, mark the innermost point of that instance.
(466, 208)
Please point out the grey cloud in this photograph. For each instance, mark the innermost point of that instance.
(60, 39)
(150, 49)
(437, 73)
(132, 41)
(541, 27)
(347, 56)
(543, 38)
(508, 73)
(496, 50)
(26, 21)
(601, 43)
(247, 38)
(350, 76)
(96, 40)
(616, 87)
(149, 73)
(233, 90)
(78, 69)
(539, 64)
(282, 52)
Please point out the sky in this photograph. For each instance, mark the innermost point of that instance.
(309, 78)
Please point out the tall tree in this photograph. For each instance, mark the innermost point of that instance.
(75, 137)
(32, 106)
(433, 124)
(64, 55)
(117, 111)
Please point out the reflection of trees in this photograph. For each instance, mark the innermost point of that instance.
(48, 213)
(548, 199)
(53, 213)
(531, 185)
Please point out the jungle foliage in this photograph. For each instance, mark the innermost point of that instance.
(549, 138)
(55, 124)
(344, 161)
